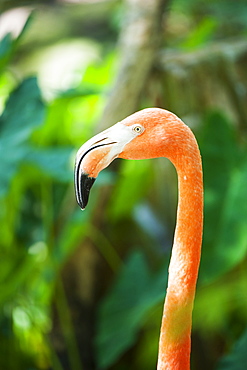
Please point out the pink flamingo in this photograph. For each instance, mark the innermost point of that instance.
(153, 133)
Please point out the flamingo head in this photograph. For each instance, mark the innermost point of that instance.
(144, 134)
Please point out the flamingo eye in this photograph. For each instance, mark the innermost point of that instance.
(138, 129)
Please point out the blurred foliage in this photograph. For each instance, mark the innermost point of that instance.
(43, 121)
(237, 359)
(224, 179)
(123, 312)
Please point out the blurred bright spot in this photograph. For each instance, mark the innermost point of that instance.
(39, 250)
(13, 21)
(62, 66)
(21, 318)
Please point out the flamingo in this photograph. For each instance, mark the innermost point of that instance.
(152, 133)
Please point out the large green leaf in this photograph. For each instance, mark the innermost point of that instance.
(225, 176)
(232, 236)
(24, 112)
(123, 311)
(54, 162)
(237, 359)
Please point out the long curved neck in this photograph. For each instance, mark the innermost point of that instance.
(174, 345)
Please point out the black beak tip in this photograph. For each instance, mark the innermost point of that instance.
(83, 186)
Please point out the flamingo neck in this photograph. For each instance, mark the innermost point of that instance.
(174, 346)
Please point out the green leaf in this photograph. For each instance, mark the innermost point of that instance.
(123, 311)
(26, 26)
(237, 359)
(225, 176)
(54, 162)
(84, 90)
(6, 45)
(24, 112)
(232, 243)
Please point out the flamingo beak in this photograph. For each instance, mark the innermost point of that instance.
(82, 189)
(96, 154)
